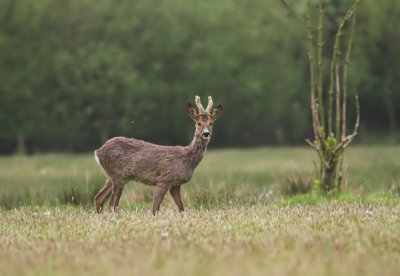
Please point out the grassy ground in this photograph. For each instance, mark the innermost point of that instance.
(330, 238)
(236, 221)
(247, 175)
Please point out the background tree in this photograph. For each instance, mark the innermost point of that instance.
(329, 104)
(74, 73)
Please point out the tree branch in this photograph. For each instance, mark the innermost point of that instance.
(344, 102)
(318, 116)
(348, 139)
(320, 59)
(321, 157)
(290, 6)
(335, 56)
(337, 77)
(344, 84)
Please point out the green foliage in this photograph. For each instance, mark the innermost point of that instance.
(315, 198)
(74, 73)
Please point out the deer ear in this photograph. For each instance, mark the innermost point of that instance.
(216, 112)
(192, 111)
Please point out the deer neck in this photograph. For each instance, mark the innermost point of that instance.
(196, 150)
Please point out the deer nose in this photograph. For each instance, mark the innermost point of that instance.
(206, 134)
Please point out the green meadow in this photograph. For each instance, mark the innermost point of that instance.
(247, 176)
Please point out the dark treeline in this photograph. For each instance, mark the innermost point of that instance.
(74, 73)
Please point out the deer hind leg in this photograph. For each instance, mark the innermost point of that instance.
(117, 188)
(161, 189)
(102, 196)
(176, 194)
(111, 203)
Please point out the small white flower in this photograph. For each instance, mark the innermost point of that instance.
(270, 192)
(43, 171)
(47, 213)
(368, 212)
(230, 201)
(164, 234)
(309, 219)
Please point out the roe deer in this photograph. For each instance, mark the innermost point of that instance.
(166, 167)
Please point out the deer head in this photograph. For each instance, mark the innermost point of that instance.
(204, 118)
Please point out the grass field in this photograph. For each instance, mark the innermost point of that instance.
(244, 175)
(323, 239)
(236, 221)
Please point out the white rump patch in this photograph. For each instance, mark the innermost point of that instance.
(97, 159)
(98, 162)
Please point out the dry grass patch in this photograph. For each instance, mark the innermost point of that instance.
(327, 238)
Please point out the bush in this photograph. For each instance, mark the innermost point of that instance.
(295, 183)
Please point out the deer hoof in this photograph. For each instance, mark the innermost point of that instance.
(99, 209)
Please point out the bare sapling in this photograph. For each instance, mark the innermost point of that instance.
(329, 118)
(165, 167)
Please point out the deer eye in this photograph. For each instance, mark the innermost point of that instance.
(198, 124)
(210, 124)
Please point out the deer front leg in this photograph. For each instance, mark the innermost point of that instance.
(102, 196)
(176, 194)
(161, 189)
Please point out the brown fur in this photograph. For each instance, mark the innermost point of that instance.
(166, 167)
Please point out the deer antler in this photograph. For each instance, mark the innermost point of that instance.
(199, 105)
(210, 104)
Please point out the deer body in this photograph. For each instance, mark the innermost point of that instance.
(148, 163)
(166, 167)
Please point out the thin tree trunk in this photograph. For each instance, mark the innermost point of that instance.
(329, 177)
